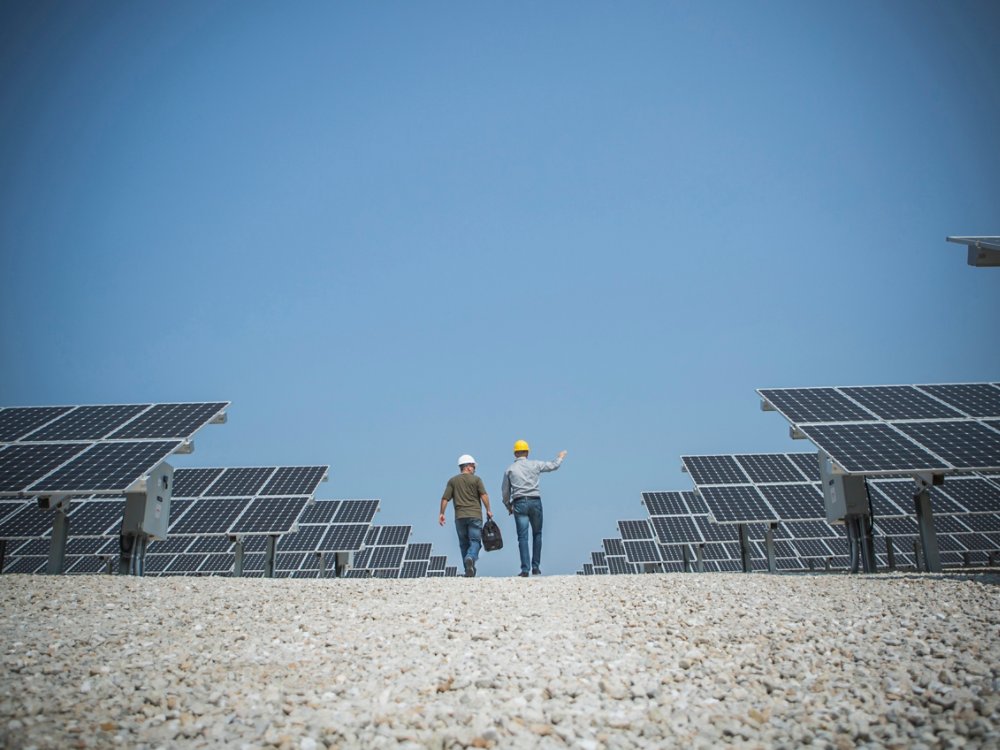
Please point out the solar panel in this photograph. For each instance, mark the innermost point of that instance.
(736, 504)
(898, 402)
(974, 399)
(393, 535)
(83, 545)
(86, 423)
(635, 530)
(965, 445)
(172, 546)
(96, 517)
(807, 463)
(713, 532)
(414, 569)
(665, 503)
(807, 405)
(270, 515)
(598, 559)
(295, 480)
(357, 511)
(25, 547)
(240, 482)
(344, 537)
(171, 421)
(418, 552)
(811, 548)
(897, 429)
(972, 495)
(868, 448)
(219, 563)
(675, 529)
(795, 501)
(21, 465)
(29, 521)
(320, 512)
(106, 467)
(438, 562)
(209, 516)
(386, 558)
(769, 467)
(640, 551)
(619, 565)
(25, 565)
(85, 564)
(714, 470)
(193, 482)
(306, 539)
(18, 421)
(613, 547)
(811, 530)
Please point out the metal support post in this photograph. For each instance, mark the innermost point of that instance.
(322, 564)
(3, 553)
(867, 543)
(699, 554)
(918, 555)
(238, 564)
(57, 548)
(890, 553)
(745, 548)
(686, 558)
(925, 521)
(341, 562)
(772, 563)
(272, 542)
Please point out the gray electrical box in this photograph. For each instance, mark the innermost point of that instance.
(147, 508)
(844, 495)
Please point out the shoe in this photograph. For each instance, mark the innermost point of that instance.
(536, 572)
(470, 568)
(522, 575)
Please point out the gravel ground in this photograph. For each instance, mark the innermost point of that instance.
(904, 661)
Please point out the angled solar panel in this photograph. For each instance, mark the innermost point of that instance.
(79, 450)
(883, 430)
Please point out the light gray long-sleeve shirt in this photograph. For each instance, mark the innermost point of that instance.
(521, 477)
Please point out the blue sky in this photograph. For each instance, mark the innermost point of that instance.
(394, 233)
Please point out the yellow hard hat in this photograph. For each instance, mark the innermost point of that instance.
(520, 445)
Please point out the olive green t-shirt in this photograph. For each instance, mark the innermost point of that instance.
(466, 491)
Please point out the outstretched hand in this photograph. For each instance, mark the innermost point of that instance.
(441, 519)
(562, 454)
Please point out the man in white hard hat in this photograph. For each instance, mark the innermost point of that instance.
(468, 491)
(522, 497)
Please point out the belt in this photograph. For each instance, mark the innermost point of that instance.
(527, 497)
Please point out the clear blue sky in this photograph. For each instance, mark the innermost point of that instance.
(392, 233)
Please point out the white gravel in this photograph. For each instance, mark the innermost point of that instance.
(837, 661)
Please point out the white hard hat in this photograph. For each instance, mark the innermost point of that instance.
(465, 458)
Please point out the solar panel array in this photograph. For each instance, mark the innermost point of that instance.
(882, 430)
(966, 519)
(382, 556)
(325, 527)
(680, 521)
(92, 449)
(258, 500)
(759, 489)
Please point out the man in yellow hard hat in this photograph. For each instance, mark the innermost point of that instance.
(522, 497)
(468, 491)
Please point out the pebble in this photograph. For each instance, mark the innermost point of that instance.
(590, 662)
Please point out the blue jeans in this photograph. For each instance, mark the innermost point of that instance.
(529, 512)
(470, 536)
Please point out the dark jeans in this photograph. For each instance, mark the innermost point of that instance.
(529, 513)
(470, 536)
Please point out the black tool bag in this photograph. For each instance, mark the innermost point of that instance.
(492, 539)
